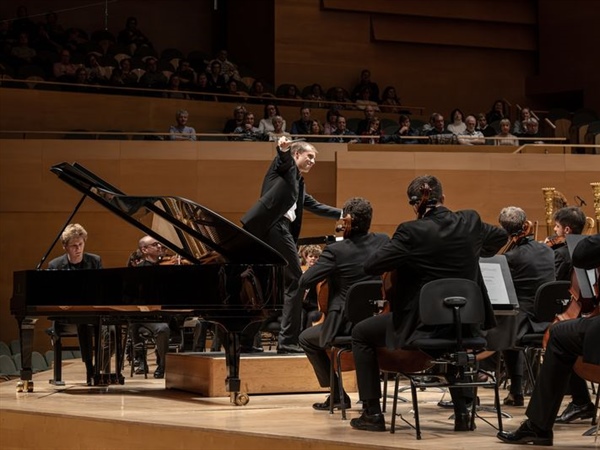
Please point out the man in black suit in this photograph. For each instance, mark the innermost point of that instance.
(276, 218)
(441, 244)
(531, 264)
(341, 264)
(568, 340)
(73, 240)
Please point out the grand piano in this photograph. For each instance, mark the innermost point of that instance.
(229, 277)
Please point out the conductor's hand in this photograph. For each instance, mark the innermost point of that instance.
(284, 143)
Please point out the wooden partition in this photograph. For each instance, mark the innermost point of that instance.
(226, 177)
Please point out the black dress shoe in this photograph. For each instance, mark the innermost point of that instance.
(336, 404)
(573, 412)
(159, 372)
(514, 400)
(368, 422)
(462, 422)
(292, 348)
(252, 350)
(527, 433)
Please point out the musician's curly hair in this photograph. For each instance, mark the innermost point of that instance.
(414, 190)
(361, 212)
(72, 231)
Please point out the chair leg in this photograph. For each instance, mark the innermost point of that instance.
(340, 381)
(395, 402)
(385, 386)
(413, 390)
(497, 403)
(331, 380)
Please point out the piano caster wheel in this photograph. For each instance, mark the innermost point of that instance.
(121, 380)
(240, 398)
(25, 386)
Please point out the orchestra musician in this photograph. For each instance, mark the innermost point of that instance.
(568, 340)
(309, 255)
(440, 244)
(341, 264)
(149, 253)
(531, 264)
(276, 219)
(73, 240)
(570, 220)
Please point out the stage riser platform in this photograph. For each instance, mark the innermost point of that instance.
(205, 373)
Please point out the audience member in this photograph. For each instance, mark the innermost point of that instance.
(456, 126)
(504, 137)
(247, 131)
(438, 125)
(228, 68)
(233, 95)
(316, 130)
(390, 103)
(302, 125)
(258, 93)
(364, 99)
(365, 81)
(518, 127)
(330, 126)
(239, 112)
(204, 91)
(531, 132)
(124, 76)
(186, 74)
(216, 78)
(22, 52)
(374, 130)
(343, 134)
(181, 132)
(497, 113)
(174, 89)
(309, 255)
(132, 37)
(470, 136)
(316, 96)
(341, 264)
(96, 72)
(152, 77)
(340, 99)
(290, 96)
(266, 123)
(278, 130)
(485, 128)
(363, 125)
(404, 131)
(64, 70)
(420, 251)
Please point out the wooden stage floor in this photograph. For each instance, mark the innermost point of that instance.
(142, 414)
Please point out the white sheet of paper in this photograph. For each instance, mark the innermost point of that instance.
(494, 282)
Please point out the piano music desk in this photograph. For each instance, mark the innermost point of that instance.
(262, 373)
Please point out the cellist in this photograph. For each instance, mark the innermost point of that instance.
(341, 263)
(570, 220)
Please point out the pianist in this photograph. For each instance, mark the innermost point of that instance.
(276, 218)
(73, 241)
(149, 253)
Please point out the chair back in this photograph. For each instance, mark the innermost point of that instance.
(361, 300)
(549, 300)
(434, 311)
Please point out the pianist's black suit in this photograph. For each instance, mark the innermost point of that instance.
(85, 332)
(283, 186)
(443, 244)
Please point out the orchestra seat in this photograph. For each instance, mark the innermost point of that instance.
(453, 303)
(38, 362)
(5, 349)
(8, 368)
(362, 302)
(15, 346)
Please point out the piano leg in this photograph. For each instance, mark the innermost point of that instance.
(232, 358)
(26, 328)
(57, 347)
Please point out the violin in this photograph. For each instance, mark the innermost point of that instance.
(174, 260)
(514, 239)
(555, 241)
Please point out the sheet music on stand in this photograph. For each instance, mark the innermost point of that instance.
(585, 278)
(499, 284)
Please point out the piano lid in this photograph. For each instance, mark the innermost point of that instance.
(186, 228)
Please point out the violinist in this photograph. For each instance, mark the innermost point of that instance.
(531, 264)
(149, 253)
(567, 220)
(309, 255)
(341, 263)
(570, 220)
(568, 340)
(439, 244)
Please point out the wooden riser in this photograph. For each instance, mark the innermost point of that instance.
(205, 373)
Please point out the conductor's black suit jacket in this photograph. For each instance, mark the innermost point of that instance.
(283, 186)
(443, 244)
